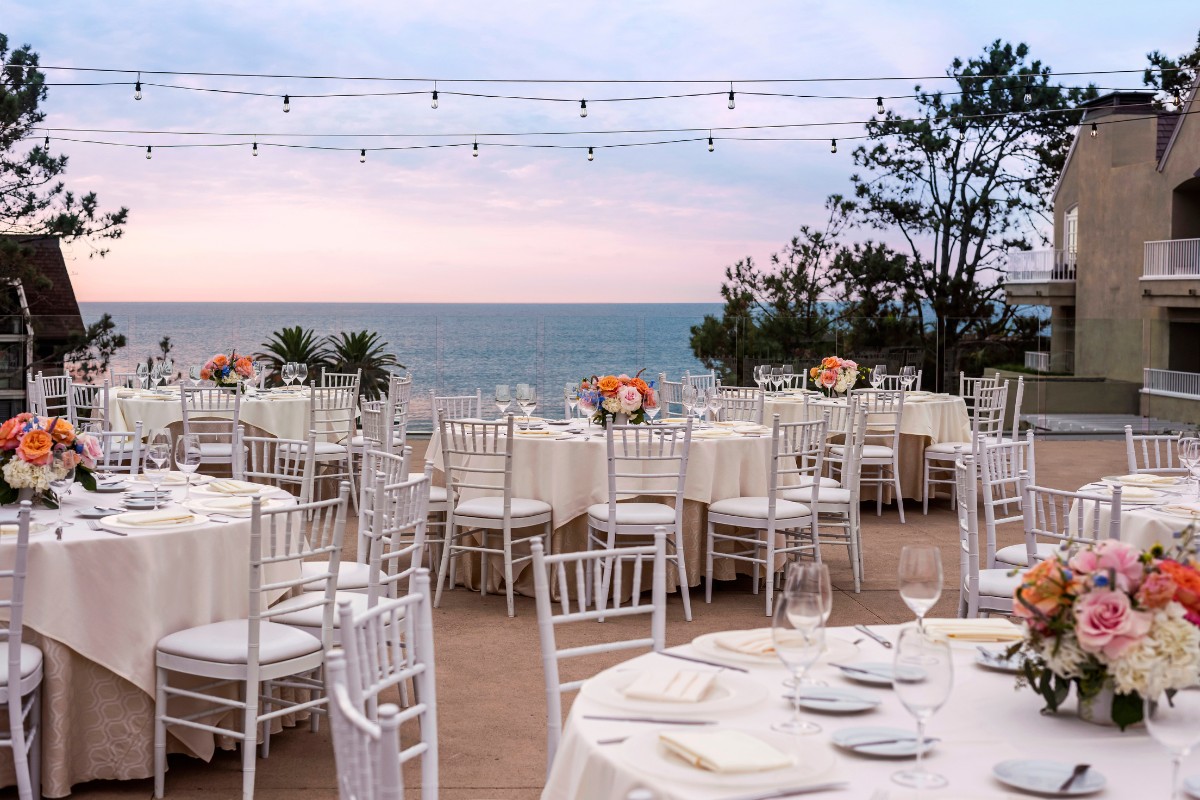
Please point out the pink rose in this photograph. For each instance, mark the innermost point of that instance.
(629, 398)
(1111, 556)
(1105, 622)
(92, 451)
(848, 364)
(828, 378)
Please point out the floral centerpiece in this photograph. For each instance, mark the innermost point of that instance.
(836, 375)
(228, 370)
(36, 450)
(1111, 620)
(614, 395)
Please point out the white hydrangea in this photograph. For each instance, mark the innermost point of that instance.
(22, 475)
(1167, 658)
(612, 405)
(842, 383)
(1063, 655)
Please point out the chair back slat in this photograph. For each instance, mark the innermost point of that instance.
(333, 412)
(288, 464)
(1004, 469)
(54, 393)
(1153, 453)
(477, 456)
(458, 406)
(742, 404)
(1068, 519)
(341, 380)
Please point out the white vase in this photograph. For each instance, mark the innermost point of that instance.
(1098, 710)
(620, 419)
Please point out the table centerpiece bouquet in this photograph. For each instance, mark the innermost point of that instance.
(228, 370)
(37, 450)
(1115, 623)
(836, 375)
(618, 398)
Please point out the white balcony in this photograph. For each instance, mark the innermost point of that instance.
(1038, 361)
(1039, 266)
(1172, 258)
(1171, 384)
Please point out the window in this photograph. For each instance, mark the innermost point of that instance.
(1071, 236)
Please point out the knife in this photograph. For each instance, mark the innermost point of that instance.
(848, 668)
(702, 661)
(792, 792)
(651, 720)
(873, 635)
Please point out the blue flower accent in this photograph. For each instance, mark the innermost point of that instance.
(1101, 581)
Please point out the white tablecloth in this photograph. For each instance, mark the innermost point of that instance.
(1141, 525)
(985, 721)
(98, 604)
(283, 415)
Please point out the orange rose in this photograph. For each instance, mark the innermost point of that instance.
(206, 374)
(1043, 591)
(640, 385)
(220, 361)
(814, 372)
(9, 431)
(63, 432)
(830, 362)
(35, 447)
(1187, 583)
(608, 384)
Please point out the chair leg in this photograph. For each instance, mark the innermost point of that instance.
(250, 731)
(508, 572)
(35, 744)
(899, 496)
(925, 489)
(160, 731)
(770, 569)
(445, 565)
(879, 493)
(681, 569)
(483, 563)
(708, 565)
(20, 751)
(264, 734)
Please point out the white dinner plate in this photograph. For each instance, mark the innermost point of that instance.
(1155, 498)
(1146, 481)
(173, 478)
(874, 673)
(1044, 777)
(834, 701)
(1192, 786)
(812, 760)
(1176, 511)
(114, 523)
(835, 649)
(208, 505)
(877, 742)
(263, 489)
(729, 691)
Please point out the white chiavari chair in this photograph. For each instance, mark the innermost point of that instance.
(390, 645)
(839, 425)
(341, 380)
(1068, 520)
(477, 460)
(121, 451)
(1004, 469)
(579, 579)
(644, 463)
(332, 413)
(987, 422)
(287, 464)
(742, 404)
(21, 693)
(125, 380)
(54, 393)
(881, 447)
(980, 590)
(214, 414)
(394, 465)
(250, 652)
(456, 406)
(87, 404)
(1018, 399)
(797, 449)
(1154, 453)
(704, 381)
(33, 397)
(892, 383)
(968, 388)
(366, 754)
(670, 395)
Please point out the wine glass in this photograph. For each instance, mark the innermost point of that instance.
(587, 403)
(187, 459)
(758, 376)
(301, 372)
(688, 398)
(650, 405)
(1173, 720)
(62, 480)
(168, 369)
(526, 398)
(142, 372)
(798, 632)
(715, 402)
(288, 373)
(158, 463)
(194, 372)
(777, 378)
(879, 375)
(571, 394)
(920, 578)
(1189, 456)
(786, 374)
(908, 376)
(156, 374)
(503, 397)
(922, 677)
(801, 576)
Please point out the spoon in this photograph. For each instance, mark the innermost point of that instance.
(1076, 774)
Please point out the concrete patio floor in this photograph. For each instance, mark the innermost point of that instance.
(490, 692)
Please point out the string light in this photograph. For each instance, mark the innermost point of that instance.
(583, 108)
(254, 150)
(287, 103)
(475, 149)
(731, 94)
(137, 88)
(433, 103)
(1029, 94)
(711, 146)
(833, 145)
(362, 156)
(1095, 130)
(46, 144)
(149, 152)
(1177, 99)
(879, 109)
(591, 155)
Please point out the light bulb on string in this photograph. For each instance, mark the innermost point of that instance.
(591, 155)
(362, 156)
(711, 146)
(731, 94)
(1028, 94)
(475, 150)
(149, 152)
(46, 144)
(583, 108)
(254, 150)
(833, 145)
(137, 88)
(879, 109)
(287, 103)
(433, 102)
(1177, 99)
(1095, 130)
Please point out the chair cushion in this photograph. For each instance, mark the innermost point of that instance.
(947, 448)
(635, 513)
(437, 494)
(351, 574)
(1018, 556)
(825, 495)
(215, 449)
(358, 440)
(313, 617)
(806, 480)
(226, 642)
(997, 583)
(323, 448)
(756, 508)
(31, 659)
(493, 507)
(869, 450)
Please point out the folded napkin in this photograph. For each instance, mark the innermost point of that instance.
(538, 433)
(753, 643)
(976, 630)
(226, 486)
(157, 518)
(168, 478)
(230, 503)
(671, 686)
(752, 429)
(1133, 492)
(726, 424)
(676, 420)
(1146, 479)
(1186, 509)
(711, 433)
(8, 530)
(724, 751)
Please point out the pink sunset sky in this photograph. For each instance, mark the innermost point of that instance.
(514, 225)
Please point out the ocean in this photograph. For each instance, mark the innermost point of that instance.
(450, 348)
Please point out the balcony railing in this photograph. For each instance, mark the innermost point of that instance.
(1172, 258)
(1171, 384)
(1036, 266)
(1038, 361)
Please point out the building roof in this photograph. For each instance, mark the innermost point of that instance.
(1189, 103)
(1132, 101)
(53, 308)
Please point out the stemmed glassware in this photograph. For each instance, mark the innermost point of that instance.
(688, 398)
(156, 374)
(587, 404)
(800, 576)
(143, 373)
(786, 374)
(714, 401)
(288, 373)
(194, 372)
(760, 375)
(798, 632)
(526, 398)
(878, 375)
(920, 578)
(571, 393)
(922, 677)
(651, 407)
(1189, 457)
(63, 481)
(158, 464)
(1173, 720)
(908, 376)
(777, 378)
(301, 372)
(187, 459)
(503, 397)
(168, 369)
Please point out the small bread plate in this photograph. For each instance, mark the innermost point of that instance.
(875, 673)
(881, 742)
(1044, 778)
(232, 506)
(8, 529)
(997, 661)
(833, 701)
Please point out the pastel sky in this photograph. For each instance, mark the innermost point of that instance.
(638, 224)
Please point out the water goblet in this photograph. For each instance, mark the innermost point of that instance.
(158, 462)
(301, 372)
(801, 577)
(288, 373)
(526, 398)
(922, 677)
(194, 373)
(168, 369)
(156, 374)
(777, 378)
(879, 375)
(187, 459)
(143, 373)
(1173, 721)
(786, 372)
(62, 471)
(908, 376)
(587, 403)
(1189, 457)
(757, 374)
(798, 632)
(571, 394)
(650, 404)
(503, 397)
(715, 402)
(920, 578)
(688, 398)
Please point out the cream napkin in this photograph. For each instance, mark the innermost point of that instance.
(157, 518)
(752, 429)
(671, 686)
(724, 751)
(712, 433)
(752, 643)
(167, 479)
(1133, 492)
(1146, 479)
(1185, 509)
(230, 503)
(538, 433)
(676, 420)
(987, 629)
(226, 486)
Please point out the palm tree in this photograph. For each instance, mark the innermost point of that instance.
(366, 351)
(298, 345)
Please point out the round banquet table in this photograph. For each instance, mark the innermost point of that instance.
(571, 473)
(97, 604)
(985, 721)
(1143, 524)
(280, 414)
(927, 419)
